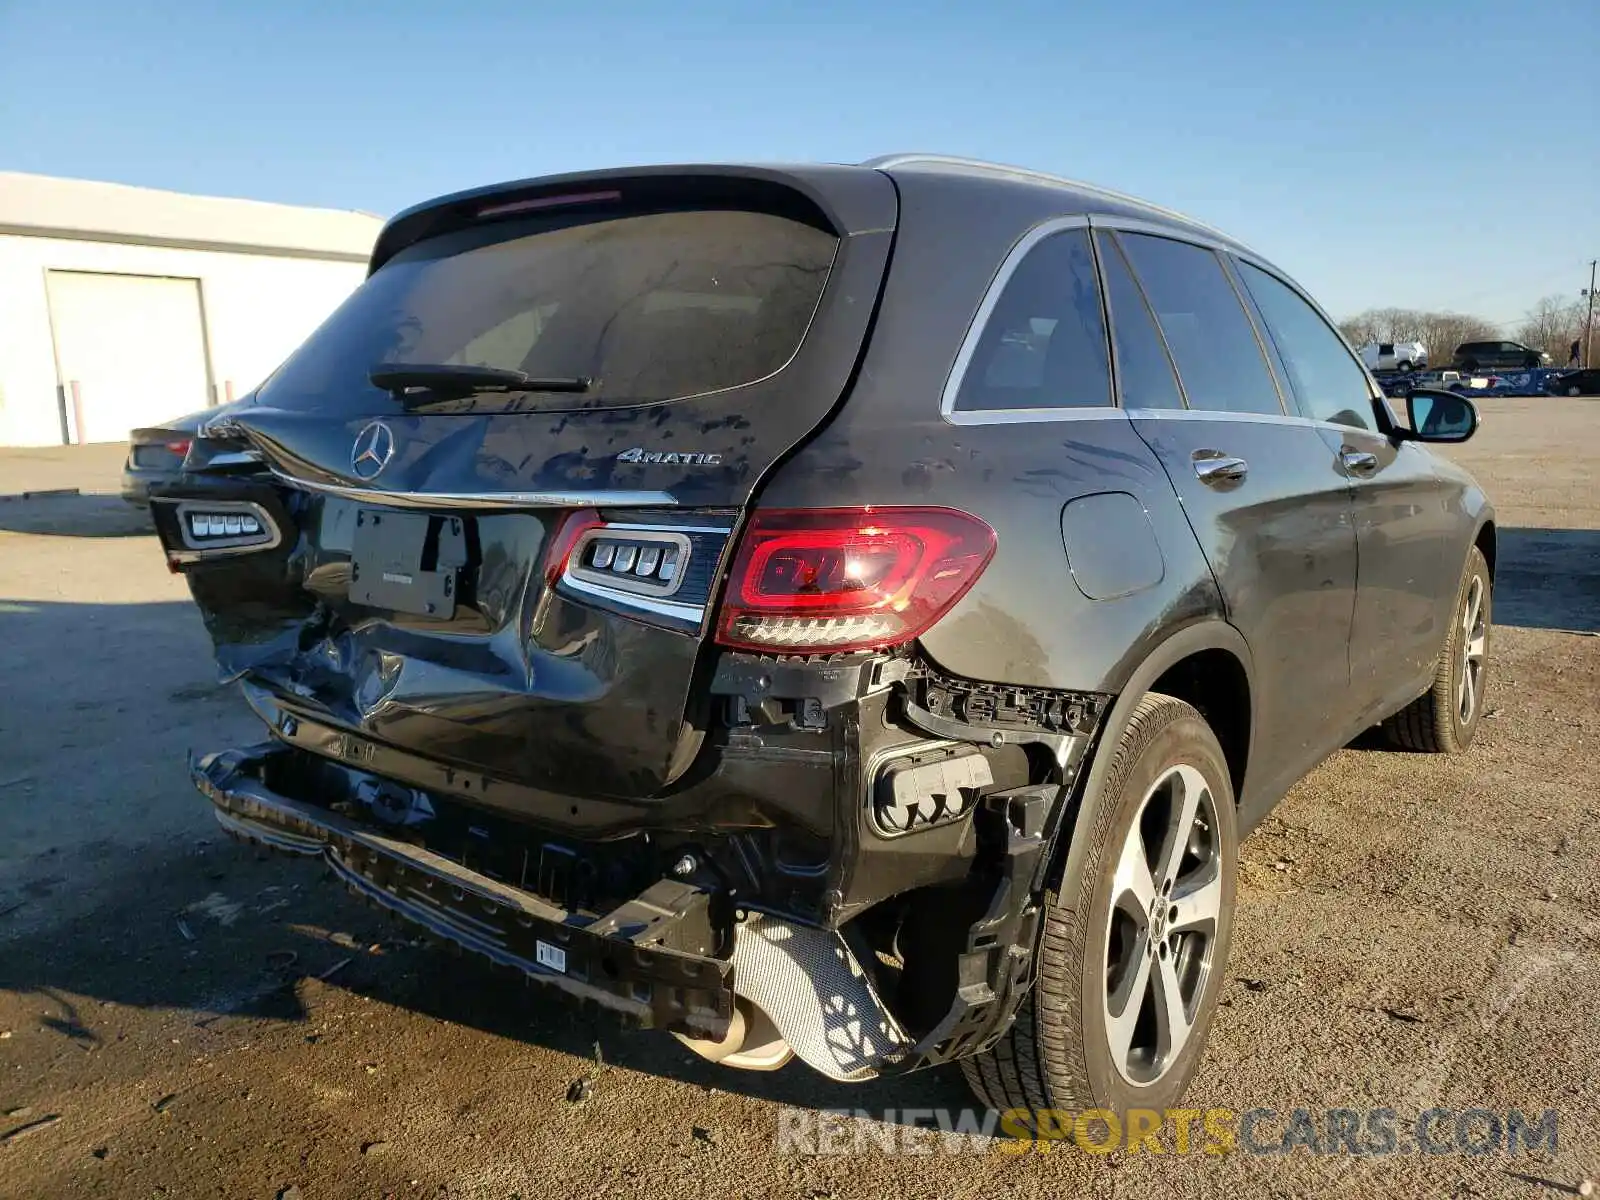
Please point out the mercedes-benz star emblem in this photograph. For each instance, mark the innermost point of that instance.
(373, 449)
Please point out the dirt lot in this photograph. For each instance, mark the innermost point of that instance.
(1412, 931)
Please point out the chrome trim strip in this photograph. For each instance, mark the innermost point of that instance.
(1206, 414)
(980, 320)
(1015, 416)
(1212, 414)
(597, 499)
(662, 608)
(645, 527)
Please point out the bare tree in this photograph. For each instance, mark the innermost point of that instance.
(1552, 325)
(1440, 332)
(1358, 331)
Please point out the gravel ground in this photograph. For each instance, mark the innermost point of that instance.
(199, 1021)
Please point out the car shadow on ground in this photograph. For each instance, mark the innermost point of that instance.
(1548, 579)
(75, 515)
(226, 936)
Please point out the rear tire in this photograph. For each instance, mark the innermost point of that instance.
(1095, 1032)
(1444, 719)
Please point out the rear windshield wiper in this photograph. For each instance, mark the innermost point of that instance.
(447, 379)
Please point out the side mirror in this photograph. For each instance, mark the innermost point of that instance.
(1440, 416)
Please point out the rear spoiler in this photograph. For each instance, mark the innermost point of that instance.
(846, 200)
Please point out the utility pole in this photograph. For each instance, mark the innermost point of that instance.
(1588, 321)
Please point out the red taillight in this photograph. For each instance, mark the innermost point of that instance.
(816, 581)
(179, 447)
(559, 548)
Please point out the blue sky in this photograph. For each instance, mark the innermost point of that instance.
(1428, 154)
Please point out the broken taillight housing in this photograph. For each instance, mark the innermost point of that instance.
(566, 539)
(819, 581)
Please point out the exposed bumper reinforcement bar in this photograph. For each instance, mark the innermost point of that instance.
(655, 985)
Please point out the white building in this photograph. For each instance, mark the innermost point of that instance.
(123, 306)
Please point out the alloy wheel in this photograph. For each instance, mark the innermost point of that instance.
(1162, 925)
(1474, 644)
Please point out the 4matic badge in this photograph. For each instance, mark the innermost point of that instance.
(687, 458)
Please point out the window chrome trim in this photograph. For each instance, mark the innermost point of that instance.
(1012, 416)
(595, 499)
(1249, 418)
(694, 613)
(1194, 236)
(1218, 414)
(980, 321)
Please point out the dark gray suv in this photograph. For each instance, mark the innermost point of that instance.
(1500, 356)
(845, 612)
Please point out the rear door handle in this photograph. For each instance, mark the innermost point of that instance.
(1215, 468)
(1358, 462)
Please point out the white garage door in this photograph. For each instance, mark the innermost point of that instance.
(130, 351)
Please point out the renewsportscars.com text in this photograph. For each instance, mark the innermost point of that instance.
(1210, 1131)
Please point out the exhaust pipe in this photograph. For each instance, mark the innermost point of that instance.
(753, 1042)
(799, 991)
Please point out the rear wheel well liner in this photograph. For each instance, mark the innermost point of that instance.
(1484, 540)
(1214, 683)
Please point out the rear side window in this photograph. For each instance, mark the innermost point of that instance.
(1326, 380)
(650, 306)
(1044, 344)
(1212, 340)
(1144, 372)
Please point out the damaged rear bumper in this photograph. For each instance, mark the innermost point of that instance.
(622, 961)
(668, 958)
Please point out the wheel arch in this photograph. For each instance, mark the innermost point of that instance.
(1208, 662)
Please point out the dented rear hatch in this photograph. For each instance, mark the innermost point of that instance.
(475, 524)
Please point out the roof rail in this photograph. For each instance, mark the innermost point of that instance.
(885, 161)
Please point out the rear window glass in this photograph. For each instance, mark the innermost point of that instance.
(649, 307)
(1044, 345)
